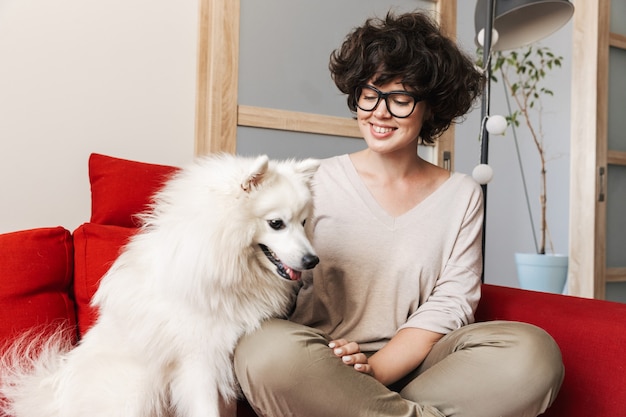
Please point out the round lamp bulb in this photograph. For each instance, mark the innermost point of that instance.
(481, 37)
(482, 174)
(496, 124)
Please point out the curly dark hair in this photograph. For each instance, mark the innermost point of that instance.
(409, 48)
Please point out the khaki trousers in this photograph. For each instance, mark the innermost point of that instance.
(487, 369)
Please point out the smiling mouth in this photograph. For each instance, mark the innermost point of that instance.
(380, 129)
(282, 269)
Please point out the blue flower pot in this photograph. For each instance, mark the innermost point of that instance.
(547, 273)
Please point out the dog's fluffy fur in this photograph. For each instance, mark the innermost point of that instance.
(219, 251)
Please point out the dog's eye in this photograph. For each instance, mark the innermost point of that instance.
(276, 224)
(303, 222)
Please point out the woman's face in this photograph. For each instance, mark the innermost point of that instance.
(385, 133)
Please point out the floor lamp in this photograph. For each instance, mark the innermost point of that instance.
(502, 25)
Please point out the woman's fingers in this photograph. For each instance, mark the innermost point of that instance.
(355, 359)
(350, 354)
(359, 361)
(342, 347)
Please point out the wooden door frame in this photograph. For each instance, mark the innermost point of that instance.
(587, 160)
(590, 156)
(217, 112)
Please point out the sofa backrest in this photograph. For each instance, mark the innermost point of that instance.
(36, 269)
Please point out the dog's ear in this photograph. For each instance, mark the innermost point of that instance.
(307, 168)
(255, 174)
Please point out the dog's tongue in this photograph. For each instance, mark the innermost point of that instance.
(293, 274)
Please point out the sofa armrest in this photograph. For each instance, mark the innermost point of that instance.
(592, 338)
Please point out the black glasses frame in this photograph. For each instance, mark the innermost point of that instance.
(385, 96)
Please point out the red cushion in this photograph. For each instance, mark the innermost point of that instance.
(35, 278)
(121, 188)
(592, 338)
(96, 248)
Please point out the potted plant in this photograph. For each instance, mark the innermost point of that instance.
(523, 71)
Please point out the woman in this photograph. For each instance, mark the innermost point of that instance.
(383, 326)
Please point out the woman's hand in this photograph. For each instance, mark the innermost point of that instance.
(350, 354)
(404, 352)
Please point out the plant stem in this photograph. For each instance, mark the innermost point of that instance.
(522, 100)
(520, 163)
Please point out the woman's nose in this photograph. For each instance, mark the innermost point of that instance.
(381, 110)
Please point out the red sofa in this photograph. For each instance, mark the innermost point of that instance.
(49, 275)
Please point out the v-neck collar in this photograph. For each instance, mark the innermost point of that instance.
(374, 206)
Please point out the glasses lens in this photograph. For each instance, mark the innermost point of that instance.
(368, 98)
(399, 104)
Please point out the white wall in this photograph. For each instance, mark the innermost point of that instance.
(508, 225)
(81, 76)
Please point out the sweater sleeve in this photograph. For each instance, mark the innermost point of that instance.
(453, 298)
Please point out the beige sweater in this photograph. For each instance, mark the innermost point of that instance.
(378, 274)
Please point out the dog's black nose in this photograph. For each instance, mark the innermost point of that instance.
(309, 261)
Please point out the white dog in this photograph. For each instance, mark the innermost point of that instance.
(219, 252)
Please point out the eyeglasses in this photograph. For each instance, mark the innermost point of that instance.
(400, 104)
